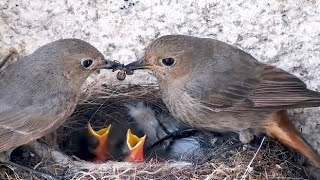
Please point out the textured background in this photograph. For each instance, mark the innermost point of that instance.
(285, 33)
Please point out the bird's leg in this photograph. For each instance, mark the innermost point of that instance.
(246, 136)
(5, 158)
(12, 51)
(51, 140)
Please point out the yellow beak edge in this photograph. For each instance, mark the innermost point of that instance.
(135, 145)
(101, 151)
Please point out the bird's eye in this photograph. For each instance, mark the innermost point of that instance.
(86, 63)
(168, 61)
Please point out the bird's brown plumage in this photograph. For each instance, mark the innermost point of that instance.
(213, 85)
(41, 90)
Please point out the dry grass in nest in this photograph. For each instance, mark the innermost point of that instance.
(107, 105)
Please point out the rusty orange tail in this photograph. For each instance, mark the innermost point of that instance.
(279, 126)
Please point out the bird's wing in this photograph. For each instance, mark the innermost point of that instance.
(15, 128)
(22, 124)
(279, 89)
(249, 85)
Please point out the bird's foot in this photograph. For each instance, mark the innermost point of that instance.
(246, 136)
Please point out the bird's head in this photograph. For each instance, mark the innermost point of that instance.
(74, 58)
(170, 57)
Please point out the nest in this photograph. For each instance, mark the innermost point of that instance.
(264, 159)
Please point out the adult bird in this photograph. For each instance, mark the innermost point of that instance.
(213, 85)
(41, 90)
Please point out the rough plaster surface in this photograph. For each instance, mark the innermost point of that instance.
(285, 33)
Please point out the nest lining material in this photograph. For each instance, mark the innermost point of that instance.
(107, 105)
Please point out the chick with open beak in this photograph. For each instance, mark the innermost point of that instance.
(136, 146)
(100, 152)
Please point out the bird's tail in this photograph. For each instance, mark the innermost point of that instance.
(312, 101)
(280, 127)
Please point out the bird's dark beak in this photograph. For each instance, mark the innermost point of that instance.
(114, 65)
(140, 64)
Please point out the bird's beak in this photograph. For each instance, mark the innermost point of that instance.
(101, 151)
(114, 65)
(135, 145)
(140, 64)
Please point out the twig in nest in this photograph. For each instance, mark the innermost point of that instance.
(12, 51)
(220, 151)
(102, 104)
(255, 155)
(175, 135)
(41, 174)
(163, 127)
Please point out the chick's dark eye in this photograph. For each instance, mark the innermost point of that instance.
(86, 63)
(168, 61)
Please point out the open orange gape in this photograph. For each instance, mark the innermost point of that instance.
(135, 145)
(101, 151)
